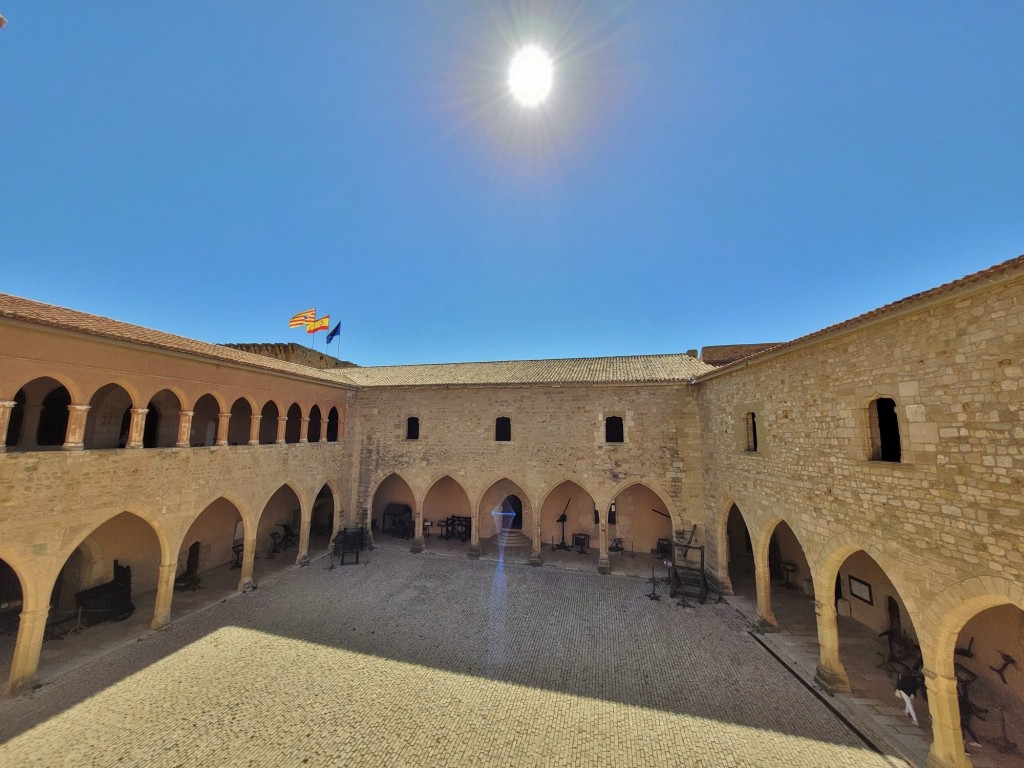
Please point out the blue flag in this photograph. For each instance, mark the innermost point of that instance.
(334, 332)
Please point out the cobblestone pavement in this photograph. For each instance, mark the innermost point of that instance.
(427, 660)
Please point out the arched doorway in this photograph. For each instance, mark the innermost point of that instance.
(110, 577)
(11, 597)
(447, 499)
(393, 493)
(570, 499)
(108, 419)
(988, 661)
(161, 428)
(877, 639)
(792, 589)
(277, 534)
(212, 546)
(268, 423)
(740, 554)
(641, 522)
(321, 522)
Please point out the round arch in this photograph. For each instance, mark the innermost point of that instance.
(163, 535)
(58, 379)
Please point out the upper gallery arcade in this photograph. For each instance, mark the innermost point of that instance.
(882, 451)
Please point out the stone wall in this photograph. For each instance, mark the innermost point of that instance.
(557, 435)
(950, 512)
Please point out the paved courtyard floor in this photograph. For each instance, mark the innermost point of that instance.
(431, 660)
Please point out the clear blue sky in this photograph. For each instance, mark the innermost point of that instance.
(704, 173)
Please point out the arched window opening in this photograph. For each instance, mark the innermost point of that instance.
(204, 421)
(412, 428)
(294, 425)
(332, 426)
(503, 429)
(240, 422)
(17, 418)
(315, 425)
(109, 418)
(151, 428)
(885, 430)
(268, 424)
(750, 423)
(613, 431)
(53, 418)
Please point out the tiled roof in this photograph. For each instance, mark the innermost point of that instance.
(17, 308)
(580, 370)
(977, 280)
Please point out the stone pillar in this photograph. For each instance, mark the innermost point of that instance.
(366, 523)
(323, 430)
(417, 523)
(25, 662)
(74, 439)
(223, 422)
(604, 565)
(6, 407)
(30, 427)
(947, 749)
(762, 575)
(304, 429)
(302, 556)
(473, 553)
(164, 595)
(254, 429)
(537, 543)
(282, 422)
(184, 429)
(830, 673)
(136, 427)
(248, 559)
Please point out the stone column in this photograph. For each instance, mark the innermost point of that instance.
(304, 430)
(223, 422)
(830, 673)
(604, 565)
(947, 749)
(74, 439)
(137, 427)
(418, 544)
(302, 556)
(762, 575)
(184, 429)
(282, 422)
(30, 427)
(366, 523)
(323, 430)
(248, 559)
(164, 595)
(254, 429)
(473, 553)
(25, 662)
(6, 407)
(537, 543)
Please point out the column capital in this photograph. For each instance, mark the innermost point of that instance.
(187, 413)
(140, 411)
(7, 403)
(81, 407)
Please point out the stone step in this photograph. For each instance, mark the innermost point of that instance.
(512, 539)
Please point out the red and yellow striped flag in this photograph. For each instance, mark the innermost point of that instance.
(302, 318)
(319, 325)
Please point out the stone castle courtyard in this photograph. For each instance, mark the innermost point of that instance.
(426, 660)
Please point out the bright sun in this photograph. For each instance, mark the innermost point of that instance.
(530, 75)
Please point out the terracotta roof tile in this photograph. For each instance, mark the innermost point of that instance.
(581, 370)
(26, 310)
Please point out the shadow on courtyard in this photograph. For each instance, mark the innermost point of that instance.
(568, 632)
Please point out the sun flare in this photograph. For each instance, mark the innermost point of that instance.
(531, 75)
